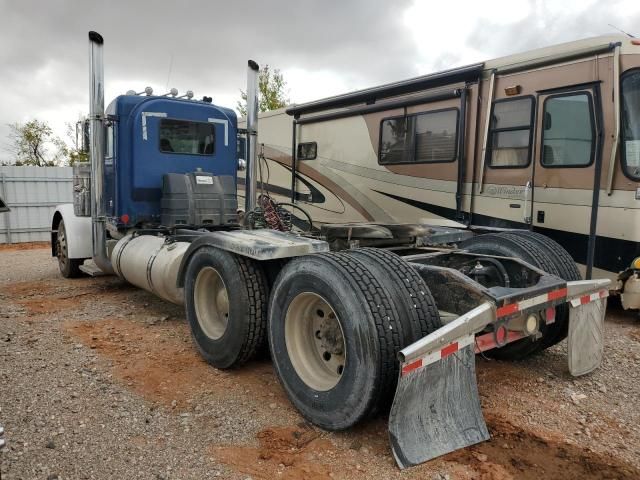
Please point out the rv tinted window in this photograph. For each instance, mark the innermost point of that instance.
(567, 132)
(307, 150)
(510, 133)
(193, 138)
(435, 138)
(630, 146)
(395, 140)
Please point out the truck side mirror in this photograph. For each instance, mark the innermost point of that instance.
(241, 152)
(82, 135)
(547, 121)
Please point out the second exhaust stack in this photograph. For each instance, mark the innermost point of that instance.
(252, 134)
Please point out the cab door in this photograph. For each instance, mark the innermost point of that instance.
(504, 200)
(567, 170)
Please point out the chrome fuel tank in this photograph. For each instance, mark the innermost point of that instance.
(151, 263)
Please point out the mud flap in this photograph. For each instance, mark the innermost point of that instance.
(586, 334)
(436, 409)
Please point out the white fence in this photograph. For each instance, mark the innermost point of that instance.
(32, 194)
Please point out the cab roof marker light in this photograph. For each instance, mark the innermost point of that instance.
(188, 95)
(147, 91)
(173, 92)
(636, 263)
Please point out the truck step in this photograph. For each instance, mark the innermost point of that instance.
(91, 269)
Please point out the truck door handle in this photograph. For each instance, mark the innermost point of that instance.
(526, 214)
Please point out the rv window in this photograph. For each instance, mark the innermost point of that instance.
(510, 133)
(422, 138)
(395, 139)
(183, 137)
(307, 150)
(567, 136)
(630, 106)
(435, 138)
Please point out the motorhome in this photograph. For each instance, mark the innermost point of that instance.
(546, 140)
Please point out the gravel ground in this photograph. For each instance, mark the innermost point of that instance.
(100, 380)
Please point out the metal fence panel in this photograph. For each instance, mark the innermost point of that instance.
(32, 194)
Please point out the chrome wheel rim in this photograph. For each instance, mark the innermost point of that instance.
(315, 341)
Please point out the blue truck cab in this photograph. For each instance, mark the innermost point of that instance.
(149, 136)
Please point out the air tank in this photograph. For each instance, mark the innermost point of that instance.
(151, 263)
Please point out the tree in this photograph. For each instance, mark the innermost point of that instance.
(272, 93)
(32, 143)
(73, 148)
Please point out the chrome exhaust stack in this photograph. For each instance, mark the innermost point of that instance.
(96, 148)
(251, 181)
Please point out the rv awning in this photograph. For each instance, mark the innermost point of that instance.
(371, 95)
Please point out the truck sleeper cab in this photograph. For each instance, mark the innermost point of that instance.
(150, 136)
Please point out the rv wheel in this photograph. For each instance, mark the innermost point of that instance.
(333, 335)
(226, 304)
(69, 267)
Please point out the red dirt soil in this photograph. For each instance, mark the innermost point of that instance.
(4, 247)
(157, 360)
(159, 365)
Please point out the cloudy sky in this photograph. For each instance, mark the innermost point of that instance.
(323, 47)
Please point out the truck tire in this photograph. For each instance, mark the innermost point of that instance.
(510, 246)
(226, 306)
(563, 259)
(417, 309)
(334, 335)
(564, 267)
(69, 267)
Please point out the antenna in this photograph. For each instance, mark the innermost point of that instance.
(169, 73)
(620, 30)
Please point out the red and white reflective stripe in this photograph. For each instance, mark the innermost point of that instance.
(531, 302)
(487, 341)
(437, 355)
(584, 299)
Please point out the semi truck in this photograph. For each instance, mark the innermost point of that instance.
(544, 140)
(359, 318)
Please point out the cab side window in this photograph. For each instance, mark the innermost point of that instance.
(511, 133)
(568, 138)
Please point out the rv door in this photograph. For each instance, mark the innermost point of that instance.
(565, 196)
(506, 197)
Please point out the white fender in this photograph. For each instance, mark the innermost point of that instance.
(78, 231)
